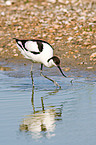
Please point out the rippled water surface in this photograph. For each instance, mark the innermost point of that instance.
(47, 115)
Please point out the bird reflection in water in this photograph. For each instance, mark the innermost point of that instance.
(42, 122)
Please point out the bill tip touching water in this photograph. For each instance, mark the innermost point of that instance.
(39, 51)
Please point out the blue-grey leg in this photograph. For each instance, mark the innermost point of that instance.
(48, 77)
(32, 100)
(42, 104)
(32, 76)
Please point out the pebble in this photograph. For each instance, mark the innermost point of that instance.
(93, 47)
(92, 56)
(53, 1)
(2, 13)
(83, 62)
(66, 69)
(86, 43)
(1, 49)
(16, 54)
(8, 3)
(70, 38)
(89, 67)
(76, 51)
(14, 50)
(74, 56)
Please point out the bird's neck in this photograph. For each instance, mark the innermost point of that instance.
(50, 64)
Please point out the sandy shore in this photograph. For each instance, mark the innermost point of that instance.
(69, 26)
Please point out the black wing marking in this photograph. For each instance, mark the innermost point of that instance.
(39, 43)
(42, 41)
(40, 46)
(23, 43)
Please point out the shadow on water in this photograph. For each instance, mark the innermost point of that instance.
(42, 123)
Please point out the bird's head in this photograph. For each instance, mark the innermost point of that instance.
(56, 62)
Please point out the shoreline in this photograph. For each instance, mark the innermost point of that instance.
(22, 63)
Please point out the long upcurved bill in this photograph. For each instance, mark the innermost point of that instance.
(61, 71)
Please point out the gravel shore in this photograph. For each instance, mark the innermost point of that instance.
(68, 25)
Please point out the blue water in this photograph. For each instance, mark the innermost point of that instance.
(55, 116)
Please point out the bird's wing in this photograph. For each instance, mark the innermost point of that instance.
(31, 46)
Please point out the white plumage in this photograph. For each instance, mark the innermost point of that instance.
(39, 51)
(31, 46)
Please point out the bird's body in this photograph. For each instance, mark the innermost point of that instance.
(39, 51)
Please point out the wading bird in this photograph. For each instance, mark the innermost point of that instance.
(39, 51)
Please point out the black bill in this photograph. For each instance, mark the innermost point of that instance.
(61, 71)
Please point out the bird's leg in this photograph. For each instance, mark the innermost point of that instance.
(42, 104)
(48, 77)
(32, 76)
(32, 100)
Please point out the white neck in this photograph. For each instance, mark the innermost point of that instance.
(50, 63)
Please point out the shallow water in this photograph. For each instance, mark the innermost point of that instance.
(47, 115)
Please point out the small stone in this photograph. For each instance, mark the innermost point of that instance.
(74, 56)
(56, 26)
(83, 62)
(14, 50)
(70, 38)
(91, 23)
(67, 2)
(93, 47)
(66, 22)
(16, 54)
(80, 39)
(86, 43)
(79, 55)
(53, 1)
(92, 56)
(76, 51)
(58, 38)
(88, 40)
(66, 69)
(89, 67)
(2, 13)
(1, 49)
(8, 3)
(75, 28)
(65, 10)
